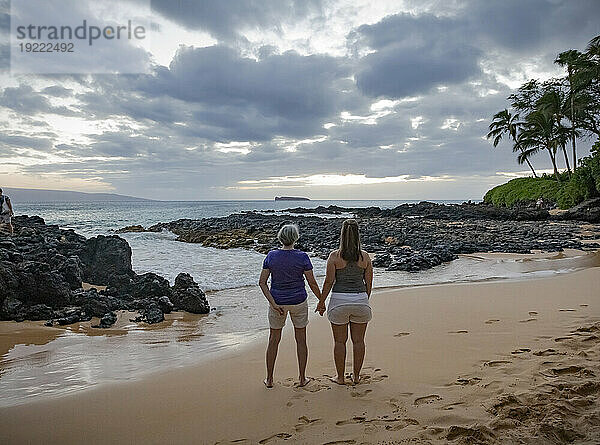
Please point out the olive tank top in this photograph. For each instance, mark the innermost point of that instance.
(350, 279)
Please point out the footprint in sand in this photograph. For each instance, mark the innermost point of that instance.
(239, 441)
(360, 393)
(427, 399)
(463, 381)
(533, 313)
(567, 310)
(492, 320)
(521, 351)
(304, 422)
(496, 363)
(571, 370)
(275, 436)
(528, 320)
(558, 339)
(371, 375)
(584, 305)
(401, 334)
(336, 442)
(462, 331)
(356, 419)
(546, 352)
(451, 406)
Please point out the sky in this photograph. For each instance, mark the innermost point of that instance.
(328, 99)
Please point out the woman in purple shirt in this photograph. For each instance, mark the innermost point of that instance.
(287, 268)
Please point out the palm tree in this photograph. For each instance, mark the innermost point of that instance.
(540, 132)
(571, 59)
(554, 104)
(504, 122)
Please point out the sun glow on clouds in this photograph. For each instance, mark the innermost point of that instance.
(334, 180)
(235, 147)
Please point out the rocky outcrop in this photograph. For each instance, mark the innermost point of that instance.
(107, 260)
(586, 211)
(42, 269)
(409, 237)
(188, 296)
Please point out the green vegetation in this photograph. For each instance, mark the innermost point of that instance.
(583, 184)
(549, 117)
(523, 191)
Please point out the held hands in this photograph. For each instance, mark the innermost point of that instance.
(320, 308)
(277, 308)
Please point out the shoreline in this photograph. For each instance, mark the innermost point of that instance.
(217, 340)
(173, 404)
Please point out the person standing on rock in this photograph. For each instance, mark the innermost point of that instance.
(6, 212)
(287, 267)
(350, 275)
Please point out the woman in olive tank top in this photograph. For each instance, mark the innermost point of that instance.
(349, 279)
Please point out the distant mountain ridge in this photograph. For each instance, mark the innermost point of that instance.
(28, 195)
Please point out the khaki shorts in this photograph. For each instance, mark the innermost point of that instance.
(298, 314)
(346, 313)
(4, 218)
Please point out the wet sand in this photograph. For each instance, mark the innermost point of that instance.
(483, 362)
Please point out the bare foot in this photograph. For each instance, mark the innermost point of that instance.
(338, 380)
(304, 382)
(355, 379)
(268, 383)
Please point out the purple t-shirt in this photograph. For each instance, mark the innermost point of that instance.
(287, 275)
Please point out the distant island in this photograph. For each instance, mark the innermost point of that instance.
(30, 195)
(290, 198)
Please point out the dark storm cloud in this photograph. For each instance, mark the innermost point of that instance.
(20, 141)
(223, 96)
(413, 54)
(288, 89)
(57, 91)
(523, 26)
(24, 99)
(416, 52)
(225, 19)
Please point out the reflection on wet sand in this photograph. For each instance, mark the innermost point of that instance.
(25, 333)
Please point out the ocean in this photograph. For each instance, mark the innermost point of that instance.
(76, 358)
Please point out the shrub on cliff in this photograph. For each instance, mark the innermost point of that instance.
(582, 185)
(523, 191)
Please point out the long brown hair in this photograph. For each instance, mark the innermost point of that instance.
(350, 249)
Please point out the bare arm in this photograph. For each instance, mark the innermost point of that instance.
(369, 276)
(10, 206)
(312, 283)
(262, 282)
(329, 278)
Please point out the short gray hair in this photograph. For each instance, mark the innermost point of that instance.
(288, 234)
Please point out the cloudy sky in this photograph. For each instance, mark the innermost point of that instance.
(247, 99)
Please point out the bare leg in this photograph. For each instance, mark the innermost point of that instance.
(274, 338)
(357, 333)
(302, 351)
(340, 337)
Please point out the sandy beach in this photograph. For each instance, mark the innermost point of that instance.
(504, 361)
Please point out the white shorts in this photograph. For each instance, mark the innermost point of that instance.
(346, 313)
(5, 218)
(298, 314)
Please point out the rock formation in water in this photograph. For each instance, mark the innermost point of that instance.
(42, 269)
(410, 237)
